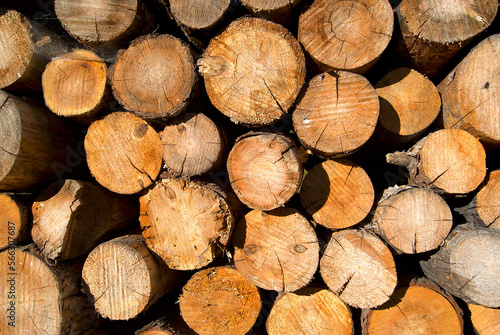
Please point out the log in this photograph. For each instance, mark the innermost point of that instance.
(123, 277)
(466, 265)
(311, 310)
(187, 223)
(470, 93)
(75, 85)
(420, 308)
(279, 11)
(42, 298)
(409, 104)
(487, 201)
(15, 221)
(155, 76)
(253, 71)
(337, 194)
(26, 48)
(123, 152)
(264, 169)
(36, 146)
(220, 300)
(103, 25)
(71, 217)
(193, 145)
(450, 161)
(358, 267)
(276, 250)
(412, 220)
(346, 35)
(484, 320)
(433, 31)
(336, 113)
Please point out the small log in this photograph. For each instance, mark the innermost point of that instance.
(277, 250)
(409, 104)
(162, 326)
(192, 145)
(470, 93)
(467, 265)
(279, 11)
(155, 76)
(123, 152)
(485, 320)
(420, 308)
(450, 161)
(487, 202)
(253, 71)
(36, 146)
(264, 169)
(412, 220)
(15, 220)
(358, 267)
(220, 301)
(433, 31)
(103, 25)
(188, 224)
(310, 310)
(75, 85)
(346, 35)
(72, 217)
(123, 277)
(336, 113)
(42, 298)
(337, 194)
(26, 48)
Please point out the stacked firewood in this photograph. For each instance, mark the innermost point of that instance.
(249, 167)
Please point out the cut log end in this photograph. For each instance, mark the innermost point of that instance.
(337, 194)
(488, 201)
(309, 311)
(273, 260)
(265, 170)
(15, 221)
(485, 320)
(220, 301)
(199, 14)
(359, 268)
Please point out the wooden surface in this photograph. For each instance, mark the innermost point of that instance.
(198, 14)
(337, 194)
(155, 76)
(279, 11)
(276, 250)
(253, 71)
(123, 152)
(358, 267)
(336, 113)
(346, 35)
(485, 320)
(15, 219)
(220, 300)
(488, 201)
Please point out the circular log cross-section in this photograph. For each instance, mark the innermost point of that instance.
(123, 152)
(470, 93)
(409, 104)
(123, 277)
(414, 310)
(38, 298)
(279, 11)
(359, 268)
(265, 170)
(199, 14)
(188, 224)
(220, 301)
(192, 145)
(337, 194)
(336, 114)
(435, 30)
(488, 201)
(276, 250)
(484, 319)
(155, 76)
(15, 220)
(254, 71)
(75, 84)
(414, 220)
(310, 310)
(346, 35)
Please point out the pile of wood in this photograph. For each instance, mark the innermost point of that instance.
(250, 167)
